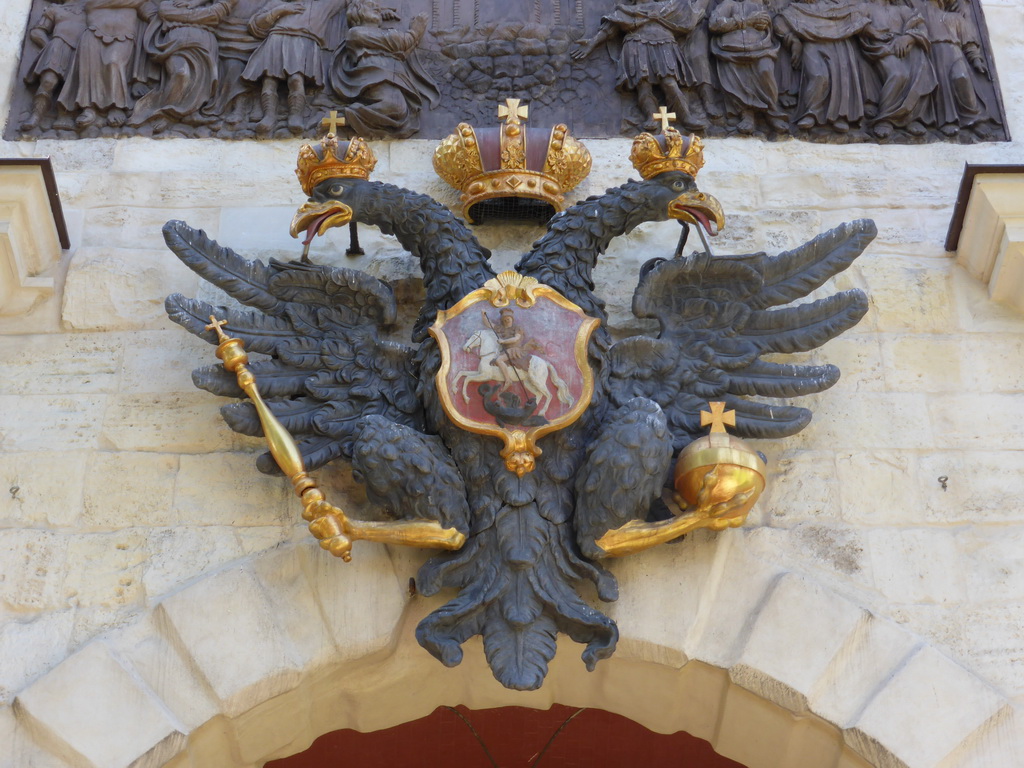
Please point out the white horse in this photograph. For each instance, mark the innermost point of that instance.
(535, 378)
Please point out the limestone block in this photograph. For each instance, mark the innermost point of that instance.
(105, 570)
(178, 555)
(76, 708)
(141, 228)
(124, 488)
(50, 422)
(30, 647)
(183, 422)
(979, 421)
(917, 565)
(976, 313)
(877, 487)
(654, 623)
(926, 363)
(994, 363)
(982, 486)
(282, 575)
(795, 639)
(116, 289)
(92, 188)
(234, 638)
(993, 644)
(994, 562)
(28, 499)
(857, 355)
(91, 155)
(85, 363)
(151, 654)
(737, 588)
(908, 294)
(362, 601)
(205, 157)
(999, 742)
(866, 420)
(802, 486)
(242, 494)
(19, 749)
(33, 563)
(162, 361)
(870, 655)
(924, 711)
(836, 552)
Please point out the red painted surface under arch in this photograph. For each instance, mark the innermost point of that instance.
(510, 737)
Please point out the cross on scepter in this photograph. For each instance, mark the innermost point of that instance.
(718, 417)
(664, 116)
(215, 325)
(332, 121)
(512, 111)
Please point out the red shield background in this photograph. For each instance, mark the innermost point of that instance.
(552, 327)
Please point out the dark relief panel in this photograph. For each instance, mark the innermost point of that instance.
(828, 70)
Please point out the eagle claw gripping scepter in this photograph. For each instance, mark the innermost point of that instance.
(328, 523)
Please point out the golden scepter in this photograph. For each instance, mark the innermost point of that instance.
(327, 522)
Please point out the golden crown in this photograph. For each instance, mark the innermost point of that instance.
(322, 162)
(511, 161)
(669, 151)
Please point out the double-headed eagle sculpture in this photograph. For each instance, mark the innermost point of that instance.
(525, 486)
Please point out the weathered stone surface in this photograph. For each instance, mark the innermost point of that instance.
(86, 364)
(116, 289)
(161, 361)
(979, 421)
(20, 749)
(89, 697)
(245, 496)
(31, 646)
(34, 566)
(924, 711)
(50, 422)
(803, 487)
(29, 499)
(124, 488)
(185, 422)
(810, 625)
(909, 294)
(105, 570)
(877, 487)
(925, 363)
(917, 565)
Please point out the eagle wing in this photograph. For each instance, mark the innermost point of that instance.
(319, 326)
(718, 323)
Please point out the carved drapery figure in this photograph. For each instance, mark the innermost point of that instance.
(106, 62)
(57, 33)
(698, 75)
(377, 72)
(233, 101)
(820, 36)
(295, 33)
(746, 50)
(895, 40)
(182, 42)
(651, 52)
(955, 51)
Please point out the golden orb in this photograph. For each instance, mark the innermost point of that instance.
(739, 470)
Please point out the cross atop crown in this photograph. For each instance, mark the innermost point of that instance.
(513, 112)
(718, 417)
(332, 121)
(664, 116)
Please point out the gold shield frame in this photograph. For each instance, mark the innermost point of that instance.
(520, 450)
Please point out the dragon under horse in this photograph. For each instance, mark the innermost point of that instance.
(595, 491)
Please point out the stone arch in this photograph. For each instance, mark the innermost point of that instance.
(255, 661)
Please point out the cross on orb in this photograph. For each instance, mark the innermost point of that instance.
(718, 417)
(512, 111)
(215, 325)
(332, 121)
(664, 116)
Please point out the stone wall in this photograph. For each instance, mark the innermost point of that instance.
(150, 577)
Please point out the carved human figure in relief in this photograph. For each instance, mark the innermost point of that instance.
(652, 55)
(234, 101)
(895, 39)
(295, 33)
(955, 51)
(698, 80)
(57, 33)
(376, 72)
(107, 62)
(746, 51)
(821, 39)
(181, 41)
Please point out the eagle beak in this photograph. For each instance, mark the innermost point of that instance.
(698, 208)
(316, 218)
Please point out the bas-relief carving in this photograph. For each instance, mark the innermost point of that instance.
(831, 70)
